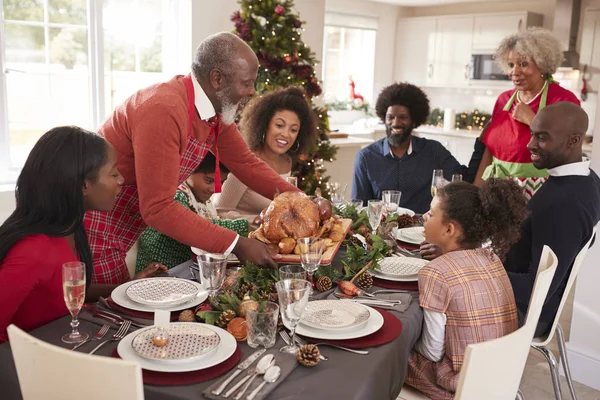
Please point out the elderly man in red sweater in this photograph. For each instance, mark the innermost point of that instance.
(161, 134)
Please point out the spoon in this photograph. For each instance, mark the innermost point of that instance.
(271, 376)
(261, 368)
(267, 357)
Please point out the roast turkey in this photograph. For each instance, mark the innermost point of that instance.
(291, 214)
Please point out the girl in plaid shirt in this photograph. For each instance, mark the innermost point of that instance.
(465, 294)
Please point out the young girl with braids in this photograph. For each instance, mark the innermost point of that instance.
(465, 294)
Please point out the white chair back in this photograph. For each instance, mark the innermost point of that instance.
(493, 369)
(46, 371)
(544, 340)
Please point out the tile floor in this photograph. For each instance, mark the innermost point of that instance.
(536, 383)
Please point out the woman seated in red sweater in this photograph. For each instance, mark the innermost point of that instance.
(68, 172)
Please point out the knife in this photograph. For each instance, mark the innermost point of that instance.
(245, 364)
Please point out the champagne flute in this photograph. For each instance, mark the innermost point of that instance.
(73, 281)
(391, 200)
(212, 272)
(337, 193)
(293, 297)
(437, 181)
(374, 211)
(457, 178)
(311, 252)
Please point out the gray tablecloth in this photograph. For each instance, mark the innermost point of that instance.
(377, 376)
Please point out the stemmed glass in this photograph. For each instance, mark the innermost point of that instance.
(391, 200)
(293, 298)
(311, 252)
(73, 281)
(457, 178)
(437, 181)
(213, 271)
(337, 192)
(375, 210)
(292, 180)
(292, 272)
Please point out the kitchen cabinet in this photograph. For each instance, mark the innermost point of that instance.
(489, 30)
(452, 55)
(459, 143)
(415, 44)
(590, 50)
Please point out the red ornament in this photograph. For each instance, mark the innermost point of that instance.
(279, 10)
(288, 59)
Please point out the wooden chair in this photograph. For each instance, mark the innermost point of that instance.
(46, 371)
(493, 369)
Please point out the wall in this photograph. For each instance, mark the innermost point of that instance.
(7, 201)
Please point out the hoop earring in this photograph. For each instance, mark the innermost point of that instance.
(263, 138)
(297, 147)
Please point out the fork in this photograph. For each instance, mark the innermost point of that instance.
(288, 340)
(302, 342)
(99, 335)
(120, 334)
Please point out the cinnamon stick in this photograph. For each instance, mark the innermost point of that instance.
(363, 269)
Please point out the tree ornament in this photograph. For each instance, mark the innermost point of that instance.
(297, 23)
(187, 316)
(308, 355)
(279, 10)
(324, 283)
(247, 304)
(224, 319)
(364, 281)
(288, 58)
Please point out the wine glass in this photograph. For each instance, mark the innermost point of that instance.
(73, 281)
(292, 272)
(212, 273)
(311, 252)
(293, 298)
(437, 181)
(375, 210)
(457, 178)
(391, 200)
(337, 192)
(292, 180)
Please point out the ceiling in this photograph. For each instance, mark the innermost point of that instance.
(417, 3)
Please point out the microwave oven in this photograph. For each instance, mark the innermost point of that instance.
(484, 68)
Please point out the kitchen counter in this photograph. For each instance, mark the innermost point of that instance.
(466, 133)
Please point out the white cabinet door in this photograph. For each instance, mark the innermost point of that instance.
(415, 39)
(490, 30)
(590, 59)
(452, 51)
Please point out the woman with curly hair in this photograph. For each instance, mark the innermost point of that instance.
(401, 161)
(465, 294)
(529, 58)
(276, 125)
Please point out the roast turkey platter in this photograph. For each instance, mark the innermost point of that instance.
(294, 215)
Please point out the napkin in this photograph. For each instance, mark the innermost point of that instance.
(287, 363)
(405, 298)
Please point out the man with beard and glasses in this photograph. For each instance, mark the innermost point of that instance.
(564, 210)
(401, 161)
(161, 134)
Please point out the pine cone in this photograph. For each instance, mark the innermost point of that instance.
(353, 240)
(187, 316)
(272, 288)
(364, 281)
(224, 318)
(324, 283)
(274, 297)
(308, 355)
(244, 289)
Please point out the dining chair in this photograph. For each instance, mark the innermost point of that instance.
(46, 371)
(131, 258)
(493, 369)
(540, 343)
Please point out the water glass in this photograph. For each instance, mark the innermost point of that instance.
(73, 281)
(213, 271)
(262, 325)
(358, 204)
(311, 252)
(293, 298)
(337, 193)
(292, 180)
(437, 181)
(375, 211)
(457, 178)
(391, 200)
(292, 272)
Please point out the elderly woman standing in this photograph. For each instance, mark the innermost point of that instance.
(529, 58)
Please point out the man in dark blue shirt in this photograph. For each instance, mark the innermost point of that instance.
(400, 161)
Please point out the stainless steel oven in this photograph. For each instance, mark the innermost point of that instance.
(484, 68)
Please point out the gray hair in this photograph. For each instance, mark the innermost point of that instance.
(217, 51)
(536, 44)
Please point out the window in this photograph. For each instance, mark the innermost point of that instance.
(348, 51)
(71, 62)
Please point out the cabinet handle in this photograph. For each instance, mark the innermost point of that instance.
(430, 70)
(467, 70)
(520, 23)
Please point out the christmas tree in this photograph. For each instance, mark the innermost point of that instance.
(273, 31)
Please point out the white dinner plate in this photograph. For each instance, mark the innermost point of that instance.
(161, 292)
(412, 235)
(119, 296)
(401, 267)
(407, 278)
(225, 350)
(374, 323)
(231, 258)
(402, 211)
(334, 315)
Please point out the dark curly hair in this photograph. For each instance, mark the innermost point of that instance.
(495, 211)
(257, 115)
(407, 95)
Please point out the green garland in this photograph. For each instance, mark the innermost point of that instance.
(466, 120)
(350, 105)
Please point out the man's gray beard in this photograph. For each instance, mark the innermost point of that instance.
(228, 110)
(396, 140)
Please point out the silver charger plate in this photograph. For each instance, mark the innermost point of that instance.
(412, 235)
(161, 291)
(334, 314)
(185, 342)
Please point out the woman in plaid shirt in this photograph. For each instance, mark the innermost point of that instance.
(465, 294)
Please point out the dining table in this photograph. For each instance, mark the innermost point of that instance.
(376, 376)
